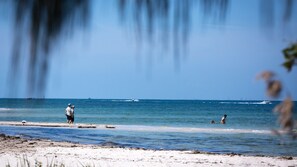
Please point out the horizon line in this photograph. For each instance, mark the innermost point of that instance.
(64, 98)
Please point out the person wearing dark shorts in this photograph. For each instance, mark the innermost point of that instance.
(72, 114)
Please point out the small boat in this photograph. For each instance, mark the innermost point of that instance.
(265, 102)
(131, 100)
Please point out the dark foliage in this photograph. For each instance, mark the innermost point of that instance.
(47, 21)
(169, 20)
(290, 55)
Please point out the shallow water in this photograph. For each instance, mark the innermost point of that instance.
(155, 124)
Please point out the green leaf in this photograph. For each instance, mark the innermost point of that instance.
(288, 64)
(286, 53)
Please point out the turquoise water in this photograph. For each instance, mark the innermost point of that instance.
(155, 124)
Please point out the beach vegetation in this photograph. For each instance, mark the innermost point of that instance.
(285, 109)
(23, 161)
(86, 165)
(290, 55)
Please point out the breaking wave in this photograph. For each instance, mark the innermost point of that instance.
(6, 109)
(242, 102)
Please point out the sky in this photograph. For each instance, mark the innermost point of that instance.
(105, 61)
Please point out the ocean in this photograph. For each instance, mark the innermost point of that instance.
(156, 124)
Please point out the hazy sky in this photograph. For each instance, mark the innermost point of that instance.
(105, 60)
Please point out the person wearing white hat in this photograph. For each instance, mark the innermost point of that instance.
(68, 113)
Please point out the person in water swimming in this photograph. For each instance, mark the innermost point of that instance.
(223, 120)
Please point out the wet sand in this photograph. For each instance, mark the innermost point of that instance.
(15, 151)
(45, 124)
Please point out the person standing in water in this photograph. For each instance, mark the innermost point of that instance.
(223, 120)
(68, 113)
(72, 114)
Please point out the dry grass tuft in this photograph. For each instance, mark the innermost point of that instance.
(284, 109)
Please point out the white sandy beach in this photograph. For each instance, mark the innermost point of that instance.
(15, 150)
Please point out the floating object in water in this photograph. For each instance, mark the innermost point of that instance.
(109, 126)
(86, 126)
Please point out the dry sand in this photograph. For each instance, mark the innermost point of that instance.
(15, 151)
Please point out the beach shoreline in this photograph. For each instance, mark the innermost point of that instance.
(141, 128)
(15, 150)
